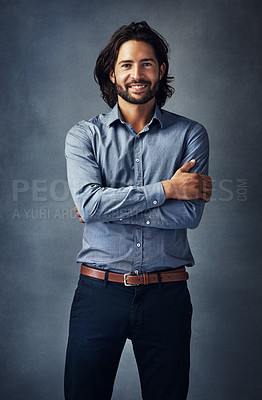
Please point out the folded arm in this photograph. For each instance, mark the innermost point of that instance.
(172, 204)
(186, 192)
(95, 202)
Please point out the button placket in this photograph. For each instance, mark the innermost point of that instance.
(138, 247)
(138, 168)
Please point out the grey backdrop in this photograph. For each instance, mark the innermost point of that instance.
(48, 53)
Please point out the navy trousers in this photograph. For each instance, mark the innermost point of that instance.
(156, 318)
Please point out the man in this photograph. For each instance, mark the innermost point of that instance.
(138, 177)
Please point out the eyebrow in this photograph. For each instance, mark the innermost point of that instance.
(131, 61)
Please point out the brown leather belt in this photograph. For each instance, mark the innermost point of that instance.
(133, 279)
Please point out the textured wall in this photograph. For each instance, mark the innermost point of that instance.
(48, 51)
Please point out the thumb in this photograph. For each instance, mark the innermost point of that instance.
(187, 166)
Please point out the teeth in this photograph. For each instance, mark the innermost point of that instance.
(138, 87)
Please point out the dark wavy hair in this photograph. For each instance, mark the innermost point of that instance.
(141, 32)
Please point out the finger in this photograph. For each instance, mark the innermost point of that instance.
(187, 166)
(206, 183)
(78, 215)
(205, 196)
(76, 211)
(206, 186)
(205, 177)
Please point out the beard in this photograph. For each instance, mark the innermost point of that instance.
(142, 99)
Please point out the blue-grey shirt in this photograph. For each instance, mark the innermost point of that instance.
(115, 175)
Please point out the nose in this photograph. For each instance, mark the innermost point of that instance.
(137, 72)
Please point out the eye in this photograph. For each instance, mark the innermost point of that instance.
(126, 66)
(147, 64)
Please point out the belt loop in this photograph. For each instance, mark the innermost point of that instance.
(145, 278)
(106, 278)
(160, 284)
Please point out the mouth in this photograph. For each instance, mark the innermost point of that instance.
(137, 87)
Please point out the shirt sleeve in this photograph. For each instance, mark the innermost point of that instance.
(179, 214)
(93, 201)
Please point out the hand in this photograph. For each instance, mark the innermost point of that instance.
(78, 215)
(188, 186)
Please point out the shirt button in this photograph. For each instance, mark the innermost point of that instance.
(138, 244)
(155, 202)
(137, 160)
(148, 222)
(121, 219)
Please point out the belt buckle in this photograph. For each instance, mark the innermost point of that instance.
(125, 279)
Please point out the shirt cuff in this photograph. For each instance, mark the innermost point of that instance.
(155, 195)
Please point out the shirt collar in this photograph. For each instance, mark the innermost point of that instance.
(115, 115)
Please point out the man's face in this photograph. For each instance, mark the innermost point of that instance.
(137, 73)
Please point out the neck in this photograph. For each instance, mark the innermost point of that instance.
(137, 115)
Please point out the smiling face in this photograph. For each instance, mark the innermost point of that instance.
(137, 73)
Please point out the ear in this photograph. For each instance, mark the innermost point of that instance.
(162, 70)
(112, 76)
